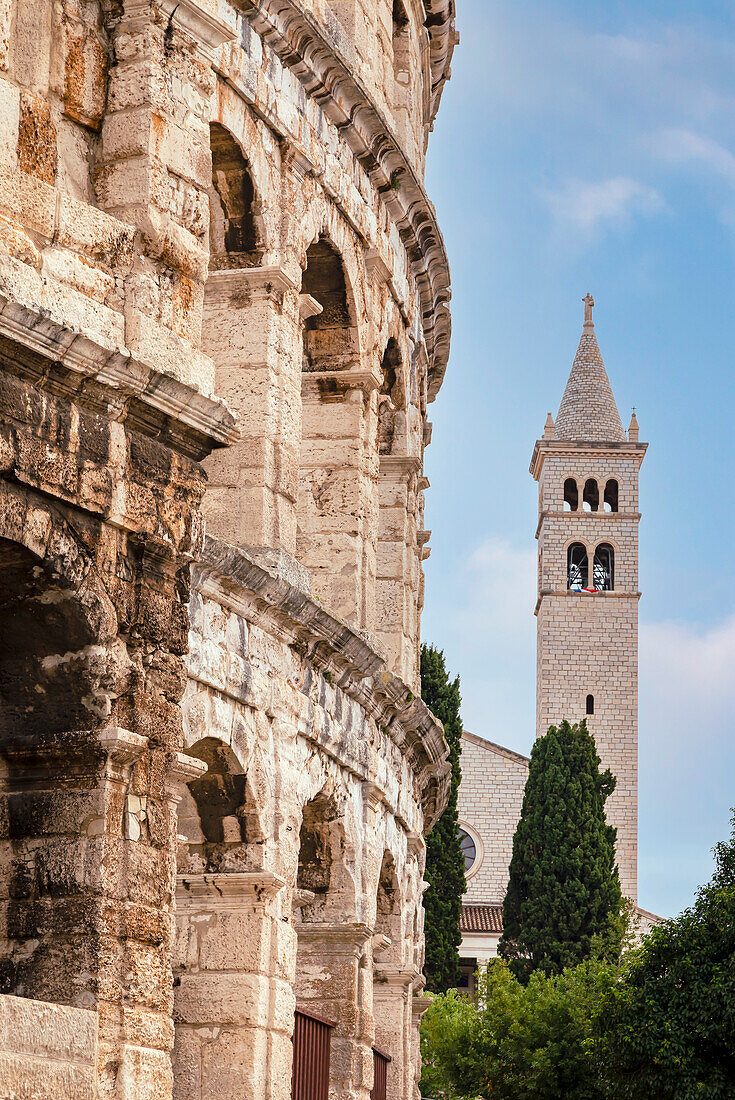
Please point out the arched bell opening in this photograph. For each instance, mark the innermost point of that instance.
(603, 570)
(591, 496)
(577, 567)
(571, 495)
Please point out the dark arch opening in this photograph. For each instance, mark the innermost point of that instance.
(329, 341)
(391, 396)
(590, 705)
(233, 236)
(591, 498)
(50, 680)
(577, 567)
(611, 496)
(571, 495)
(220, 792)
(603, 569)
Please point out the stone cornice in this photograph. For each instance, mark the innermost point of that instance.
(232, 890)
(328, 644)
(573, 449)
(304, 46)
(51, 354)
(442, 40)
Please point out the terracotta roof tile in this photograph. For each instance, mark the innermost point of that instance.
(481, 918)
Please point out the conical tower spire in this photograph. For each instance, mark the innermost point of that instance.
(588, 413)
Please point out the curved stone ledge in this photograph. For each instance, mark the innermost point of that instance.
(329, 645)
(304, 46)
(442, 40)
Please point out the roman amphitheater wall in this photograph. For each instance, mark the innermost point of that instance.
(299, 888)
(167, 173)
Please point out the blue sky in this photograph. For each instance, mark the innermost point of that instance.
(592, 145)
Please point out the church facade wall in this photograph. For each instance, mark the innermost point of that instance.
(490, 800)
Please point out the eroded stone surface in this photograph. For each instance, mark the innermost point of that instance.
(216, 772)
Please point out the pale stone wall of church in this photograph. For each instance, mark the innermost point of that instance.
(490, 800)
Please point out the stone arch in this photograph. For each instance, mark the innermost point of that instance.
(389, 911)
(61, 662)
(391, 398)
(330, 333)
(324, 883)
(336, 505)
(236, 230)
(218, 813)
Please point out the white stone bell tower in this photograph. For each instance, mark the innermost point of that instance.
(587, 607)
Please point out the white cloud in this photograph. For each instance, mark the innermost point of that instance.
(680, 146)
(590, 206)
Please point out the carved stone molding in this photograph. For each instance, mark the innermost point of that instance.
(226, 891)
(35, 347)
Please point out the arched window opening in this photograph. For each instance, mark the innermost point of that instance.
(216, 815)
(591, 499)
(388, 911)
(321, 874)
(603, 569)
(329, 336)
(571, 495)
(590, 705)
(577, 567)
(233, 235)
(391, 396)
(611, 496)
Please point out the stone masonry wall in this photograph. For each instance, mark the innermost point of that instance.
(588, 643)
(47, 1052)
(490, 800)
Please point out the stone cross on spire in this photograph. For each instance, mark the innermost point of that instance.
(589, 302)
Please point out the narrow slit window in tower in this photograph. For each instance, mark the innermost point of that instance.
(590, 706)
(571, 495)
(577, 567)
(591, 499)
(611, 496)
(603, 568)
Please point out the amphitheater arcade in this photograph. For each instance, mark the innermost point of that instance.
(223, 315)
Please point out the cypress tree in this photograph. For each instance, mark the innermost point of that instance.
(444, 860)
(564, 889)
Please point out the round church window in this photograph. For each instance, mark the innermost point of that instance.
(468, 849)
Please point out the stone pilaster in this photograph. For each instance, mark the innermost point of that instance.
(393, 1007)
(337, 502)
(398, 559)
(252, 332)
(334, 980)
(233, 1000)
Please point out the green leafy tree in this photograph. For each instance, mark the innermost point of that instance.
(515, 1041)
(563, 897)
(444, 860)
(668, 1028)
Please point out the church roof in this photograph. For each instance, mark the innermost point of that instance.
(481, 918)
(588, 413)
